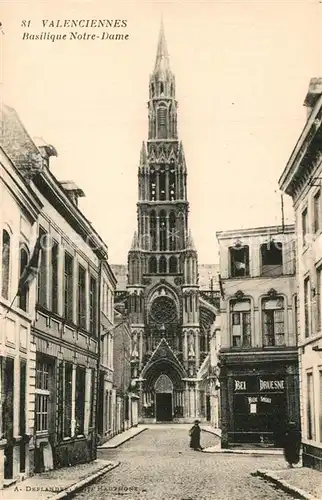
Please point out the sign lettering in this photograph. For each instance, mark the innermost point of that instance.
(270, 385)
(240, 385)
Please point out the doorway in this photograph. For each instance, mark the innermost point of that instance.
(163, 407)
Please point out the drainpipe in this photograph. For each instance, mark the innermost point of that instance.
(98, 334)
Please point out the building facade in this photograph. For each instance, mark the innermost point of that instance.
(170, 323)
(258, 354)
(19, 212)
(126, 399)
(301, 180)
(69, 308)
(106, 393)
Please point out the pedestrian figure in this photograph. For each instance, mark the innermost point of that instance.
(292, 444)
(194, 434)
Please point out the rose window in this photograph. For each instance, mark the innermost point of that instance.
(163, 310)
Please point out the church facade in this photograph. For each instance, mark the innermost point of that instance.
(172, 324)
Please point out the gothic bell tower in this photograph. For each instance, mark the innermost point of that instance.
(162, 264)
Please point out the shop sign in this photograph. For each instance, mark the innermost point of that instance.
(271, 385)
(255, 384)
(259, 399)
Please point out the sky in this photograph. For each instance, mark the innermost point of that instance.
(242, 72)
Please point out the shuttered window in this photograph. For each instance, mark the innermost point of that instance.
(68, 287)
(80, 400)
(5, 264)
(68, 381)
(92, 305)
(81, 299)
(42, 274)
(54, 277)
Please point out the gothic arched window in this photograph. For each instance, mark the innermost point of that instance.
(172, 231)
(161, 87)
(153, 230)
(5, 264)
(163, 231)
(162, 189)
(152, 265)
(173, 264)
(152, 89)
(23, 297)
(172, 183)
(152, 185)
(136, 265)
(162, 118)
(163, 265)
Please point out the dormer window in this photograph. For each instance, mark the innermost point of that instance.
(271, 259)
(239, 261)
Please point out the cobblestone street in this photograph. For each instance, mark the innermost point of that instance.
(158, 465)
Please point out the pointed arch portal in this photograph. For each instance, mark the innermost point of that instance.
(163, 388)
(163, 398)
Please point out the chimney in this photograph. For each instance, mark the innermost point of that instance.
(73, 192)
(313, 94)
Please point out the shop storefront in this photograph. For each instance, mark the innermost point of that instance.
(257, 403)
(259, 409)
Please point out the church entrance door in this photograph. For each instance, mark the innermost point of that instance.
(163, 398)
(163, 407)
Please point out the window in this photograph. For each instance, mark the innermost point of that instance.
(152, 185)
(91, 416)
(24, 292)
(310, 407)
(317, 210)
(42, 395)
(162, 118)
(307, 307)
(172, 231)
(80, 400)
(173, 265)
(162, 184)
(240, 312)
(54, 276)
(92, 305)
(42, 275)
(68, 382)
(162, 265)
(305, 225)
(5, 264)
(318, 299)
(152, 265)
(81, 298)
(153, 230)
(271, 259)
(239, 261)
(172, 183)
(163, 231)
(273, 315)
(68, 287)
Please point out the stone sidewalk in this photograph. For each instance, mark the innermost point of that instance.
(121, 438)
(59, 483)
(302, 482)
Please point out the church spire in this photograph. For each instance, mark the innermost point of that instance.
(162, 62)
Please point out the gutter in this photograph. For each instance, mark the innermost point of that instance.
(98, 335)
